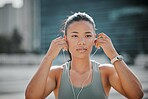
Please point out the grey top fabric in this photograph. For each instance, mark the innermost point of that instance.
(94, 90)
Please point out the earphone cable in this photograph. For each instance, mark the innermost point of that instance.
(67, 69)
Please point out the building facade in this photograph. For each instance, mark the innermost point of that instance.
(40, 21)
(124, 21)
(25, 20)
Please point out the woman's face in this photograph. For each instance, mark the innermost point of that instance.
(80, 38)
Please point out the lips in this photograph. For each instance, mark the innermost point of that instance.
(81, 50)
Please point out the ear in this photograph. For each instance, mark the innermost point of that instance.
(66, 47)
(95, 35)
(94, 38)
(65, 37)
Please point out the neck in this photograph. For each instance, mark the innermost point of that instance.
(81, 65)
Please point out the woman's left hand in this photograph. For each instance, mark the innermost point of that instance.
(105, 43)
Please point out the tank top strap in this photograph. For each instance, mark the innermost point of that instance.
(98, 80)
(65, 90)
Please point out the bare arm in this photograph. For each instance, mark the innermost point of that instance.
(120, 77)
(37, 86)
(129, 82)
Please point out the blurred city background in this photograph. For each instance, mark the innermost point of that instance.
(27, 28)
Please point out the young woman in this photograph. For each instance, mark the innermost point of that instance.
(82, 78)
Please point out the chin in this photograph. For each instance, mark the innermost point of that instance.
(81, 56)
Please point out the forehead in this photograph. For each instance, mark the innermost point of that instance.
(80, 25)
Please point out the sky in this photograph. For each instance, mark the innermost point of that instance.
(15, 3)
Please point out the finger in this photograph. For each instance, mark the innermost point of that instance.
(57, 40)
(60, 39)
(103, 35)
(104, 38)
(99, 42)
(98, 45)
(61, 42)
(65, 48)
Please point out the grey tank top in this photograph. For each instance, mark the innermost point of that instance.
(94, 90)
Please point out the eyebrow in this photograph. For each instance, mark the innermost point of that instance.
(77, 32)
(74, 32)
(87, 32)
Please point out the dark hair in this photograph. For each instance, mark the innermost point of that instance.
(79, 16)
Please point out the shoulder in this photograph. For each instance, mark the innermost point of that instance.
(105, 66)
(106, 69)
(56, 71)
(56, 68)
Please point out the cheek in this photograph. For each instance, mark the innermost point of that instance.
(90, 46)
(71, 44)
(91, 42)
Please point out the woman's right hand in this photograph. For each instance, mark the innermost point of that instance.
(55, 47)
(44, 81)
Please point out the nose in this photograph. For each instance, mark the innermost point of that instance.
(81, 41)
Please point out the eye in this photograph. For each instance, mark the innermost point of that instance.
(88, 35)
(74, 36)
